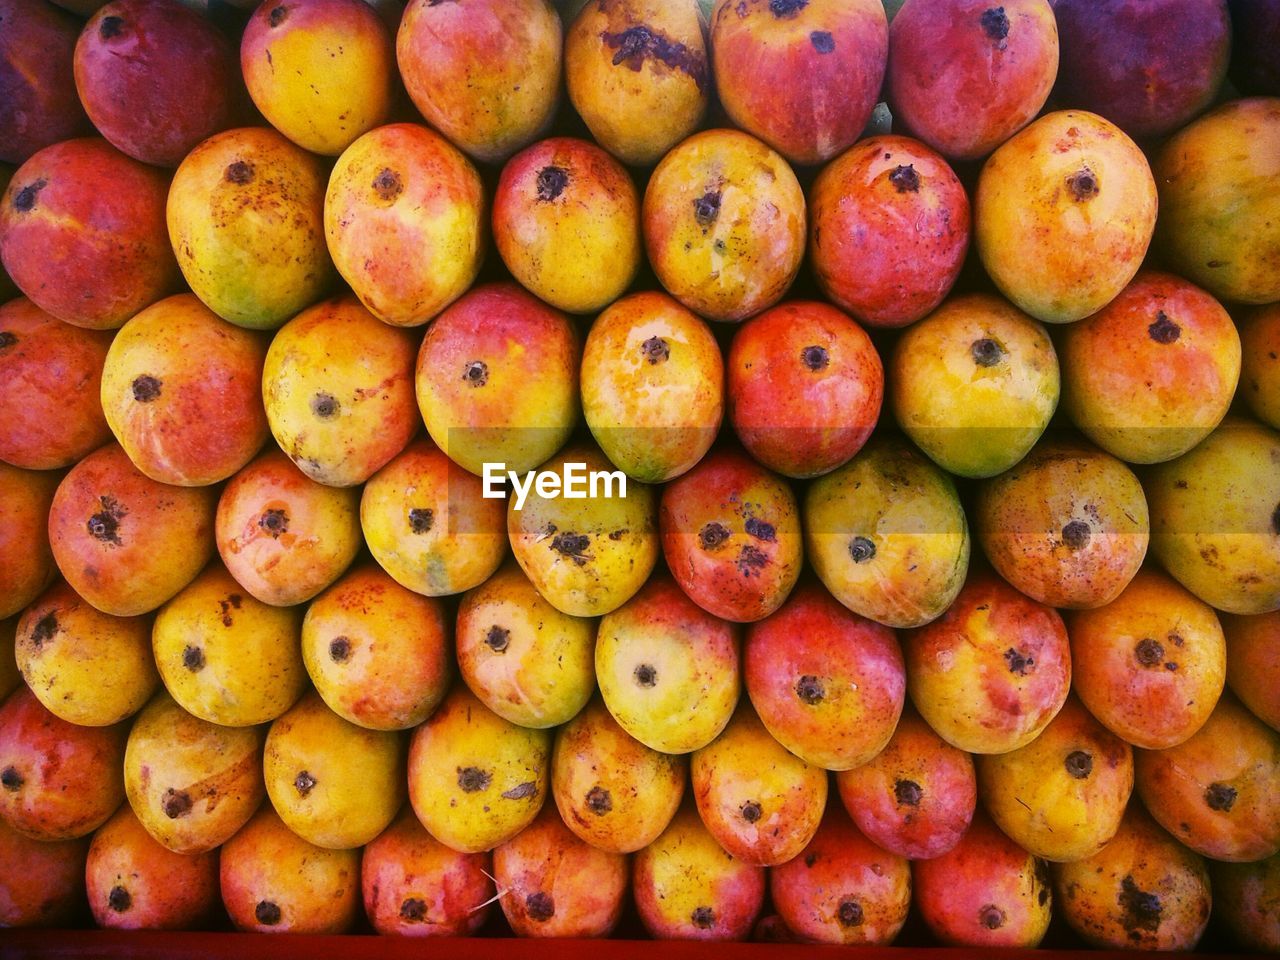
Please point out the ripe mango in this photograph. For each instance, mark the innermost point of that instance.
(41, 881)
(1253, 663)
(26, 561)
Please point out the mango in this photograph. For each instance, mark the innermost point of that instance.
(1260, 366)
(27, 562)
(1253, 663)
(1247, 902)
(41, 881)
(38, 101)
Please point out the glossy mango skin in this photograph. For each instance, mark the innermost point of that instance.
(321, 72)
(1064, 214)
(245, 216)
(41, 881)
(405, 221)
(1151, 374)
(1219, 206)
(995, 75)
(802, 77)
(653, 386)
(1260, 366)
(50, 382)
(1151, 664)
(638, 103)
(26, 561)
(1253, 663)
(724, 224)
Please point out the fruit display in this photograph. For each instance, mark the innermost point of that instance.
(794, 471)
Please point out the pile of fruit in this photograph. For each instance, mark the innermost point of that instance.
(850, 481)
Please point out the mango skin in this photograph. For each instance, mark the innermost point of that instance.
(340, 416)
(37, 91)
(559, 886)
(476, 780)
(61, 780)
(488, 76)
(209, 777)
(887, 536)
(1253, 663)
(245, 215)
(273, 881)
(50, 382)
(41, 881)
(134, 883)
(405, 220)
(653, 386)
(415, 886)
(1247, 902)
(1219, 206)
(320, 72)
(916, 797)
(125, 542)
(640, 106)
(26, 561)
(724, 224)
(1151, 374)
(82, 233)
(843, 888)
(1127, 683)
(1064, 213)
(334, 784)
(377, 653)
(612, 791)
(1260, 368)
(1143, 890)
(85, 666)
(1215, 517)
(687, 888)
(1218, 791)
(969, 101)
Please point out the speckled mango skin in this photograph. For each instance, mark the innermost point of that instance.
(406, 223)
(1247, 902)
(164, 890)
(1253, 663)
(669, 672)
(916, 797)
(1219, 202)
(984, 892)
(896, 500)
(208, 776)
(226, 657)
(889, 227)
(415, 886)
(1151, 374)
(43, 883)
(653, 386)
(26, 562)
(991, 673)
(528, 662)
(486, 74)
(266, 865)
(85, 666)
(1143, 890)
(611, 790)
(560, 886)
(1219, 790)
(1060, 797)
(340, 414)
(334, 784)
(731, 536)
(574, 244)
(642, 105)
(983, 87)
(377, 653)
(843, 888)
(1064, 214)
(1260, 368)
(476, 780)
(724, 224)
(761, 802)
(497, 379)
(151, 540)
(321, 72)
(1215, 517)
(182, 392)
(82, 233)
(50, 379)
(1024, 522)
(826, 683)
(1126, 682)
(974, 384)
(245, 216)
(66, 778)
(687, 887)
(803, 78)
